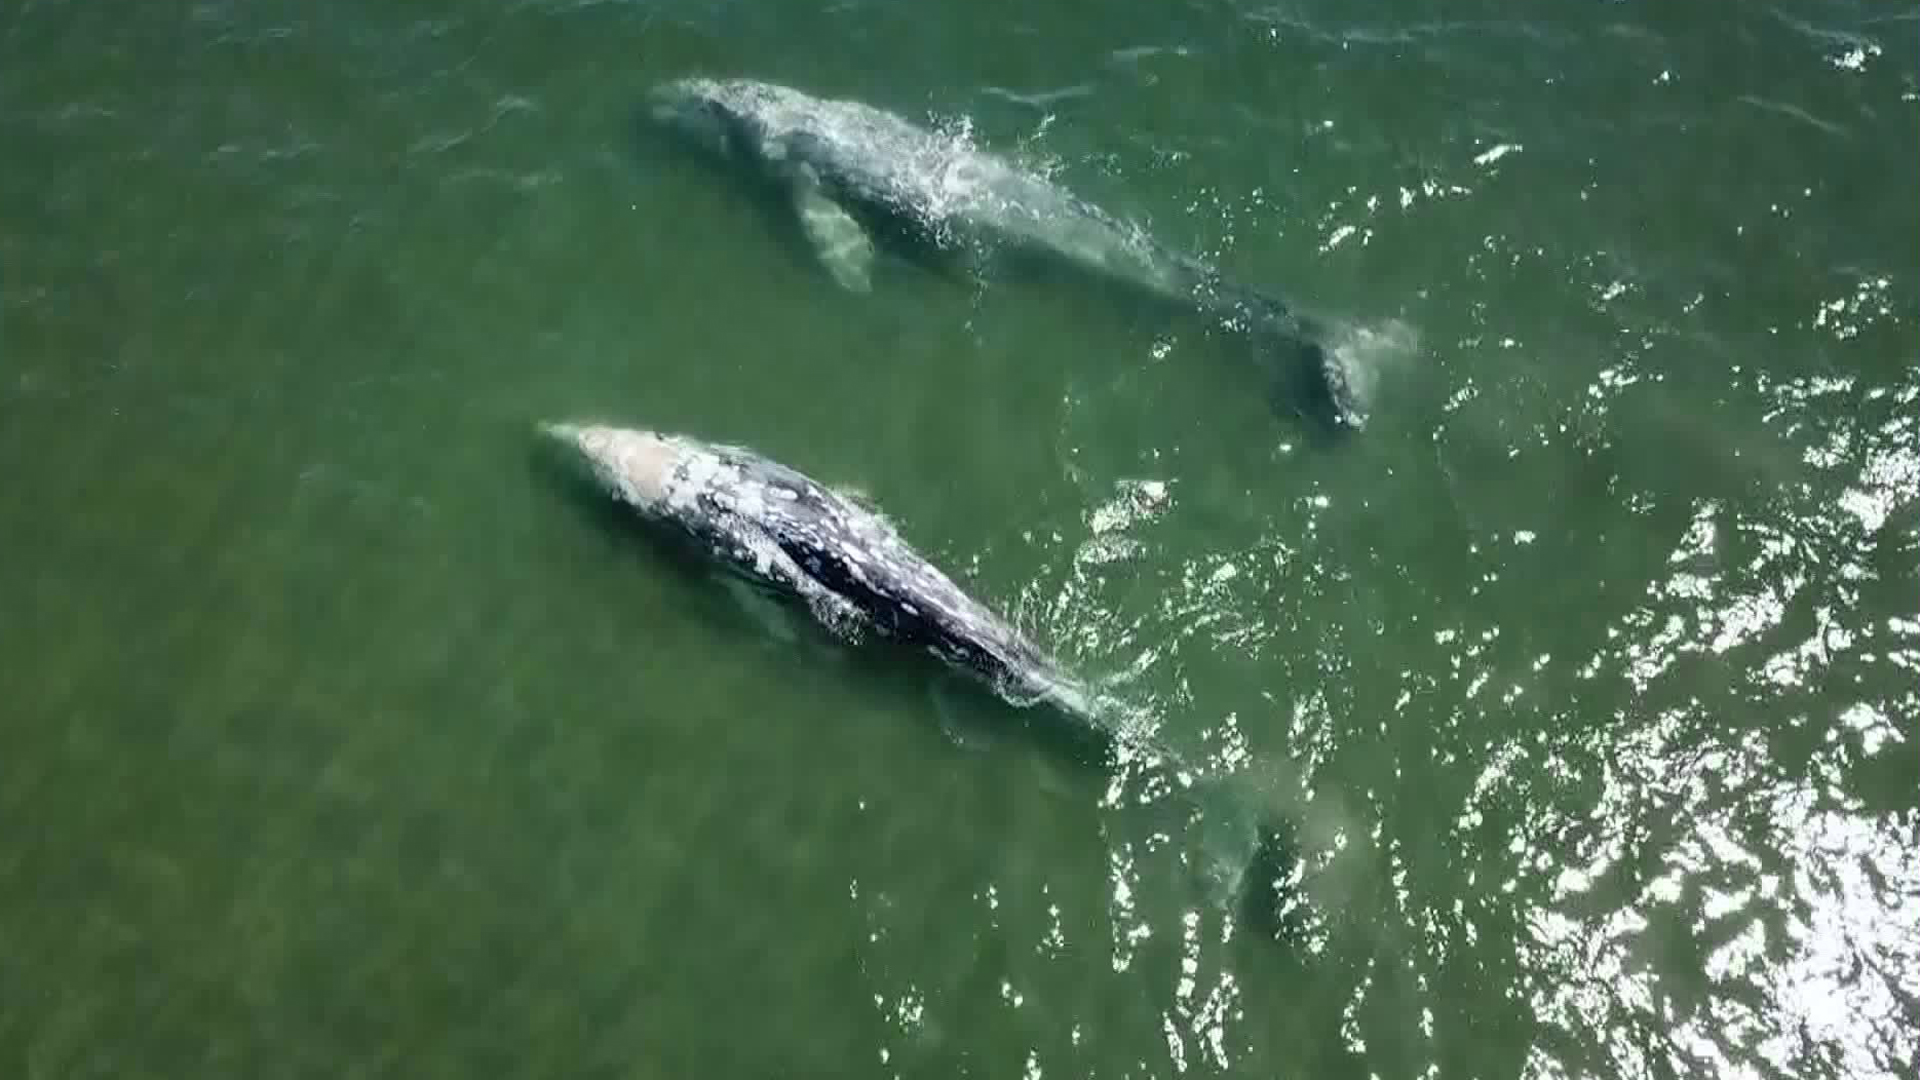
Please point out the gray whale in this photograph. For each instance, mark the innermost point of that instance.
(843, 561)
(846, 164)
(847, 565)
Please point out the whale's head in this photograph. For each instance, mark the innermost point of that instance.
(715, 116)
(635, 466)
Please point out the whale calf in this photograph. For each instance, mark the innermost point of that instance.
(846, 165)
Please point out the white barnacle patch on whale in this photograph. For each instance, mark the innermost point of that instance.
(698, 473)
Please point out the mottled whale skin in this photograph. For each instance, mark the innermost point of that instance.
(846, 162)
(847, 564)
(842, 560)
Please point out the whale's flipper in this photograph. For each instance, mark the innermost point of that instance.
(951, 705)
(773, 617)
(842, 244)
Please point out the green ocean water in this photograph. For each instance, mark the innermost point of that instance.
(339, 738)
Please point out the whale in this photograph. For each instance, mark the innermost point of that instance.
(850, 170)
(844, 561)
(830, 552)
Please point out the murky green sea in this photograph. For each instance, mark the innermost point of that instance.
(339, 737)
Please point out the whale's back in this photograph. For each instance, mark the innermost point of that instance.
(856, 553)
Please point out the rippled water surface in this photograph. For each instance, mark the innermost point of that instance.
(341, 738)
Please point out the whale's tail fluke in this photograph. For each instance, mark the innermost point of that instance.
(1249, 861)
(1310, 368)
(1238, 852)
(1305, 360)
(1314, 372)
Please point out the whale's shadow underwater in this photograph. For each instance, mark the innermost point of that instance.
(1255, 888)
(851, 188)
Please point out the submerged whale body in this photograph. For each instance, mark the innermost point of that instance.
(847, 565)
(846, 164)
